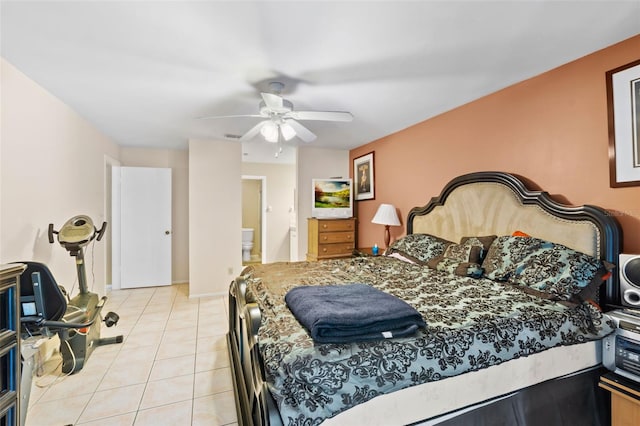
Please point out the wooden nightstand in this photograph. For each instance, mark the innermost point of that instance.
(625, 399)
(331, 238)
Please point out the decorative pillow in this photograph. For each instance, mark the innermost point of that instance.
(561, 271)
(590, 292)
(484, 242)
(419, 247)
(541, 266)
(463, 259)
(587, 294)
(504, 255)
(520, 234)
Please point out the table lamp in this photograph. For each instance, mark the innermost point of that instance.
(387, 216)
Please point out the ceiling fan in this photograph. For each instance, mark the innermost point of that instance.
(280, 119)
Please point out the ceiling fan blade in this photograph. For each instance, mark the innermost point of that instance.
(301, 131)
(321, 115)
(272, 101)
(214, 117)
(253, 131)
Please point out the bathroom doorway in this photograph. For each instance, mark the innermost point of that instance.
(254, 206)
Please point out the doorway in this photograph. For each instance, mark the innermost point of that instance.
(141, 231)
(254, 207)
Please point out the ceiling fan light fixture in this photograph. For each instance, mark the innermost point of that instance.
(278, 116)
(270, 131)
(288, 132)
(272, 139)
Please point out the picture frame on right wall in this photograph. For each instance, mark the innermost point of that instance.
(623, 109)
(364, 177)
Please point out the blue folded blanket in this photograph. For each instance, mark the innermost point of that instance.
(352, 312)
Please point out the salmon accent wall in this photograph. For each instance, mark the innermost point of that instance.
(551, 129)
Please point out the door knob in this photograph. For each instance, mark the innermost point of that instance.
(167, 232)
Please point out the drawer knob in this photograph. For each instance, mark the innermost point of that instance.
(324, 249)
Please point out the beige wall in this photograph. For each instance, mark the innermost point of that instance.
(178, 162)
(551, 129)
(315, 163)
(52, 167)
(280, 183)
(215, 217)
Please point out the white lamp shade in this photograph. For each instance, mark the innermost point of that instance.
(386, 215)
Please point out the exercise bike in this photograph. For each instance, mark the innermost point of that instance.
(47, 309)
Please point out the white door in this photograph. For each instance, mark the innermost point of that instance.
(145, 227)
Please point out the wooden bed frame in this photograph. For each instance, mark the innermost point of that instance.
(474, 211)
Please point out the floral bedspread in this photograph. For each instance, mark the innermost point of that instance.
(471, 324)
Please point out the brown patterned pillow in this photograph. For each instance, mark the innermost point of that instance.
(463, 259)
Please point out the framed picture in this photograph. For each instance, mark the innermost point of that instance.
(623, 105)
(363, 177)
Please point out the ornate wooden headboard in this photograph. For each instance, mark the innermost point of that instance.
(497, 203)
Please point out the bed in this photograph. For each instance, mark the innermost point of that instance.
(504, 331)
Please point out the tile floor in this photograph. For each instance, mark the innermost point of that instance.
(171, 369)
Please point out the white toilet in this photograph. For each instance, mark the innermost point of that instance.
(247, 243)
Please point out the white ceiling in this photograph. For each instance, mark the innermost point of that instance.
(142, 71)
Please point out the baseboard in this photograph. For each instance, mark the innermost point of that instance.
(217, 294)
